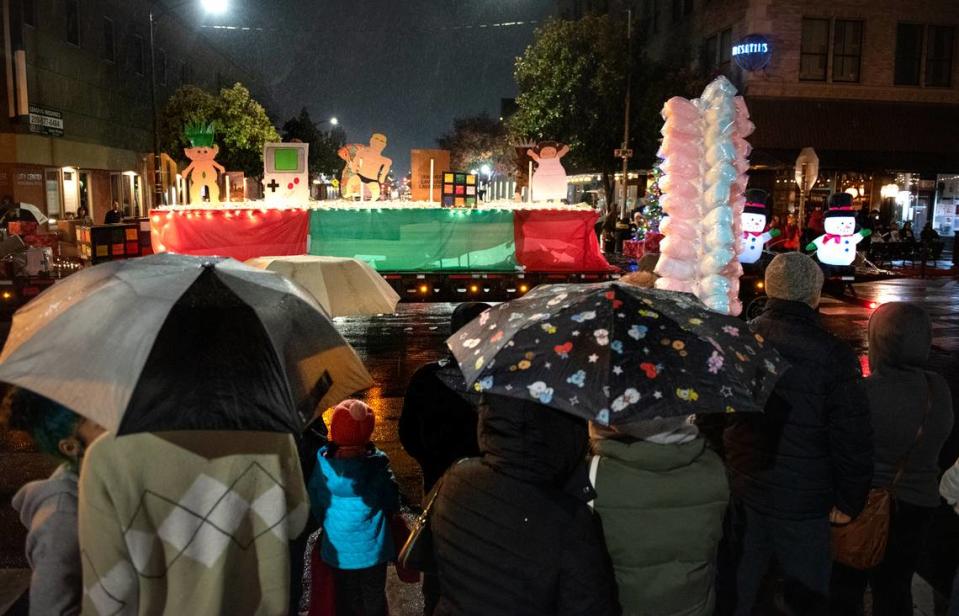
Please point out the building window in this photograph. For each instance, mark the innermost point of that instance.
(109, 42)
(908, 54)
(72, 10)
(710, 53)
(846, 51)
(161, 67)
(29, 13)
(725, 49)
(939, 48)
(814, 49)
(138, 54)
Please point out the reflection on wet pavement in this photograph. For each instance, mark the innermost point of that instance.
(393, 347)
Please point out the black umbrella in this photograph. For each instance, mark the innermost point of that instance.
(171, 342)
(616, 353)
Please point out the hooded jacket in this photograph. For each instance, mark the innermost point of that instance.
(48, 508)
(352, 499)
(900, 336)
(662, 509)
(509, 539)
(811, 449)
(438, 425)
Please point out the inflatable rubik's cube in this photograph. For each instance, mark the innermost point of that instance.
(459, 189)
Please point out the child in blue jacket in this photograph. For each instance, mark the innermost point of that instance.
(354, 494)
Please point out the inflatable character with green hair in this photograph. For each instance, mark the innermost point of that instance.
(202, 166)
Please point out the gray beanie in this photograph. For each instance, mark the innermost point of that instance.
(796, 277)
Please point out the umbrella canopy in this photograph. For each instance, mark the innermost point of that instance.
(171, 342)
(616, 353)
(37, 214)
(343, 286)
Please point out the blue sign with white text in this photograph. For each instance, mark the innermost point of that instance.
(753, 52)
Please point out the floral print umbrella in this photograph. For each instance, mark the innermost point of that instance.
(615, 353)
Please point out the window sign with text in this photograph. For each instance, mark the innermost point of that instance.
(46, 121)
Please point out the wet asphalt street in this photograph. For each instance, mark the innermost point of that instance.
(393, 346)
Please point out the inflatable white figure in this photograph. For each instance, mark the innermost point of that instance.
(755, 235)
(838, 245)
(549, 178)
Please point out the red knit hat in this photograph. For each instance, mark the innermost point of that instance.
(351, 424)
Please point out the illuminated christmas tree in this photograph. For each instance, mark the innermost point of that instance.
(653, 212)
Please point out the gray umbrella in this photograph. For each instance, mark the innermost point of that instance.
(172, 342)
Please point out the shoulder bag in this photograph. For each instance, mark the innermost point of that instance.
(861, 544)
(417, 553)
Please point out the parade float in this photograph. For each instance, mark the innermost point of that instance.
(451, 241)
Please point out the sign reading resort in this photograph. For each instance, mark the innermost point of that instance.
(753, 52)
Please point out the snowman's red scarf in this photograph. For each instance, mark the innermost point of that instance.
(832, 237)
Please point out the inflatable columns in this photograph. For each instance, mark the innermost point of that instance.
(681, 185)
(704, 197)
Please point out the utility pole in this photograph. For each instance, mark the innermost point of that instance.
(625, 153)
(157, 183)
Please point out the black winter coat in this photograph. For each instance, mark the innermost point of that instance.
(812, 448)
(509, 540)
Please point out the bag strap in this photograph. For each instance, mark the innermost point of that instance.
(901, 466)
(593, 468)
(431, 496)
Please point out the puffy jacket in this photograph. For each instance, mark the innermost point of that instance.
(48, 509)
(352, 498)
(812, 447)
(900, 337)
(508, 538)
(662, 510)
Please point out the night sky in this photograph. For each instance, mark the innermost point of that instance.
(402, 67)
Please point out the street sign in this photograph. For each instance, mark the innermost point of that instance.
(46, 121)
(621, 153)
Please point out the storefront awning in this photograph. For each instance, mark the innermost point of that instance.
(856, 135)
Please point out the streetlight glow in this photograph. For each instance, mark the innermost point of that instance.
(215, 7)
(334, 121)
(486, 170)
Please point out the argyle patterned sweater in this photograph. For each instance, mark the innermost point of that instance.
(186, 523)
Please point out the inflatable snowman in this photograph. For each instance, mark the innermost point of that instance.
(838, 245)
(755, 235)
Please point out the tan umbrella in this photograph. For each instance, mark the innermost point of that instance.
(345, 287)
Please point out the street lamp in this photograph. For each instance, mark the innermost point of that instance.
(209, 6)
(216, 7)
(334, 121)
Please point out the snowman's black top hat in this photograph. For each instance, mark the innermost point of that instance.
(840, 204)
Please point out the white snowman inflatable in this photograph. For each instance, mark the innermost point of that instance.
(755, 235)
(838, 245)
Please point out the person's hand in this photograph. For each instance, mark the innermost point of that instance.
(838, 518)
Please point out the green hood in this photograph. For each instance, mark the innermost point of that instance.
(650, 456)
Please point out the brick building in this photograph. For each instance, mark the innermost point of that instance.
(78, 122)
(872, 86)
